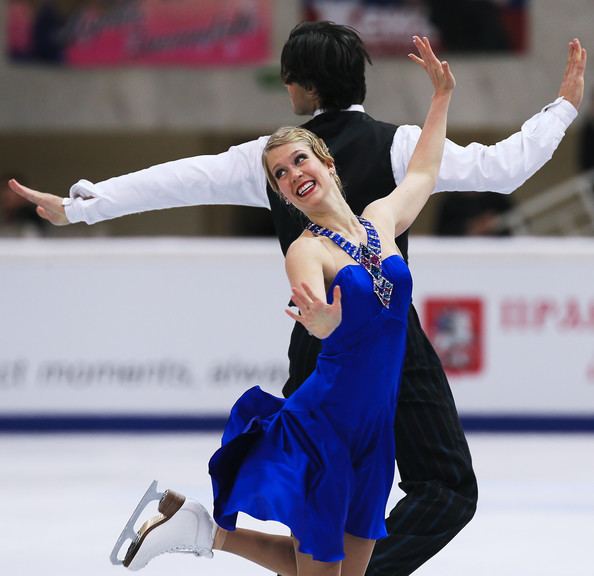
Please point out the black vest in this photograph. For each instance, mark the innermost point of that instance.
(361, 149)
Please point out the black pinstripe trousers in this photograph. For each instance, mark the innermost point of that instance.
(432, 455)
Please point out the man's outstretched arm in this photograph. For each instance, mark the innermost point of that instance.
(232, 177)
(504, 166)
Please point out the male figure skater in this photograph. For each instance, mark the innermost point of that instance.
(323, 67)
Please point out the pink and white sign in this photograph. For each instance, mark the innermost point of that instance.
(141, 32)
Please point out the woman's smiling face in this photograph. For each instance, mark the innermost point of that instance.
(298, 173)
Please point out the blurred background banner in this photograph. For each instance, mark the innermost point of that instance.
(86, 33)
(456, 25)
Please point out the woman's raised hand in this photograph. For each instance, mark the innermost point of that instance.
(49, 206)
(438, 70)
(317, 316)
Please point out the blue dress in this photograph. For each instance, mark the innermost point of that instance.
(322, 461)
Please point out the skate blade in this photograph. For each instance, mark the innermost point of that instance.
(128, 533)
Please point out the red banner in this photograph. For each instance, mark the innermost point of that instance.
(140, 32)
(387, 26)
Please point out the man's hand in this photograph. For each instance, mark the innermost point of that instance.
(49, 206)
(572, 85)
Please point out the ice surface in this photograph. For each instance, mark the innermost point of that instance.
(65, 499)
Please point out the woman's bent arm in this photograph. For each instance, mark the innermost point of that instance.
(399, 210)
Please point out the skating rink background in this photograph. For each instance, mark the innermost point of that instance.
(65, 499)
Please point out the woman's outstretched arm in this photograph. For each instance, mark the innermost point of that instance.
(402, 206)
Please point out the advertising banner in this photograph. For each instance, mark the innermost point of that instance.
(140, 327)
(387, 26)
(86, 33)
(183, 327)
(512, 321)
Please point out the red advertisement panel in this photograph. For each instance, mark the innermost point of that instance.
(139, 32)
(455, 328)
(387, 26)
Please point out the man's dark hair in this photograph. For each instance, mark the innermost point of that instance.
(329, 58)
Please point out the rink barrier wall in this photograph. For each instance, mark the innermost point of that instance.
(163, 335)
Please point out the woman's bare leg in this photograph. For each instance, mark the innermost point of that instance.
(272, 551)
(307, 566)
(280, 553)
(357, 554)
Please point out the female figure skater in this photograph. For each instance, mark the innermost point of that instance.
(322, 461)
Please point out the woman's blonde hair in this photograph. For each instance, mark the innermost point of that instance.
(290, 135)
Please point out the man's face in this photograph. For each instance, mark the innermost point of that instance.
(303, 101)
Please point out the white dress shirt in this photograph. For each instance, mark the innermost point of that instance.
(237, 176)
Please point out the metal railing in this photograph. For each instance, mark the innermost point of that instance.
(564, 210)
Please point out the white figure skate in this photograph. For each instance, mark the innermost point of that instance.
(183, 525)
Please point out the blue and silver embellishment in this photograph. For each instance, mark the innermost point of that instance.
(368, 256)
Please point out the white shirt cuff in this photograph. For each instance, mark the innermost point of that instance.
(563, 109)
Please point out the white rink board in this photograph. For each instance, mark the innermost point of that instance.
(177, 326)
(165, 326)
(537, 303)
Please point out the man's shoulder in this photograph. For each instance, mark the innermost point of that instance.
(333, 122)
